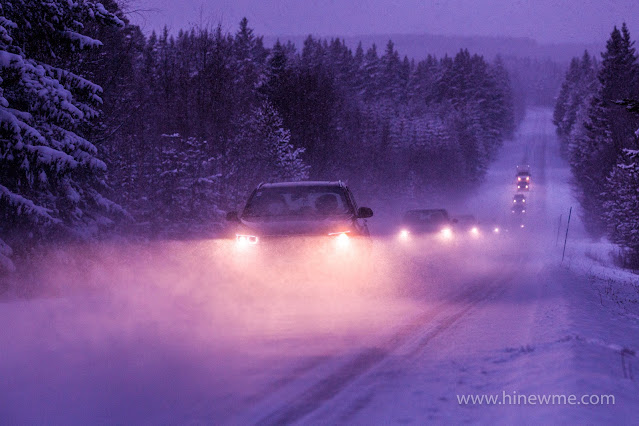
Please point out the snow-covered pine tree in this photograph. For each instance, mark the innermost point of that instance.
(249, 57)
(277, 81)
(571, 108)
(391, 74)
(622, 204)
(371, 71)
(608, 129)
(263, 152)
(562, 106)
(504, 104)
(50, 175)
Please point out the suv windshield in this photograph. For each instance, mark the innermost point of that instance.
(303, 201)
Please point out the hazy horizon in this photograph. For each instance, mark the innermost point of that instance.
(544, 21)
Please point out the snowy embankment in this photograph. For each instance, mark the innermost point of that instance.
(598, 259)
(616, 287)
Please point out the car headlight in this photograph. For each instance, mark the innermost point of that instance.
(474, 230)
(403, 234)
(496, 230)
(246, 239)
(341, 238)
(447, 233)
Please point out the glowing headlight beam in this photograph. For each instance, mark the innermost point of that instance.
(447, 233)
(403, 234)
(337, 234)
(341, 239)
(246, 239)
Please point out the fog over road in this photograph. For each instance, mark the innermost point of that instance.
(199, 332)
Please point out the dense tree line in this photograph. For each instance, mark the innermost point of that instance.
(190, 123)
(382, 122)
(597, 122)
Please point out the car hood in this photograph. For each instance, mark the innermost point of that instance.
(265, 227)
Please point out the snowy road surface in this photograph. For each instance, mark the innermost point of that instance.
(198, 333)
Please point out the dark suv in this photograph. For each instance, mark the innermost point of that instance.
(427, 221)
(290, 209)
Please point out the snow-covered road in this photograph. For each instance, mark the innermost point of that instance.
(196, 333)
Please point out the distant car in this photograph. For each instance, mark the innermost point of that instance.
(519, 199)
(496, 229)
(523, 185)
(523, 178)
(518, 209)
(426, 221)
(467, 224)
(295, 209)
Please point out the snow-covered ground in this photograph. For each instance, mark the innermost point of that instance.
(197, 332)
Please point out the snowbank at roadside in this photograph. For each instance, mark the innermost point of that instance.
(596, 259)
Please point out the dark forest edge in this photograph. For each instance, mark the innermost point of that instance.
(597, 119)
(105, 131)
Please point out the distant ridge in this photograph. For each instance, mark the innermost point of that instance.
(418, 46)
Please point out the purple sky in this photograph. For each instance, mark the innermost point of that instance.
(543, 20)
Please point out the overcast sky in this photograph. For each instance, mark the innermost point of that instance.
(543, 20)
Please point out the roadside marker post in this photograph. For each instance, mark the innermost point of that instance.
(566, 238)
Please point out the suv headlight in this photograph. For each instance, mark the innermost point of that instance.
(246, 239)
(447, 233)
(341, 238)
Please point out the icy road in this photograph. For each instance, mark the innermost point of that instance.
(197, 333)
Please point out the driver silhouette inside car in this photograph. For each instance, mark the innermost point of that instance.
(276, 206)
(327, 204)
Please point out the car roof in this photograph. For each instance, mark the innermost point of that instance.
(337, 183)
(426, 210)
(465, 217)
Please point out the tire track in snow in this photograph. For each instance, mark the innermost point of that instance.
(330, 386)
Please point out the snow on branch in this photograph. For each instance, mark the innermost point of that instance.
(24, 205)
(82, 40)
